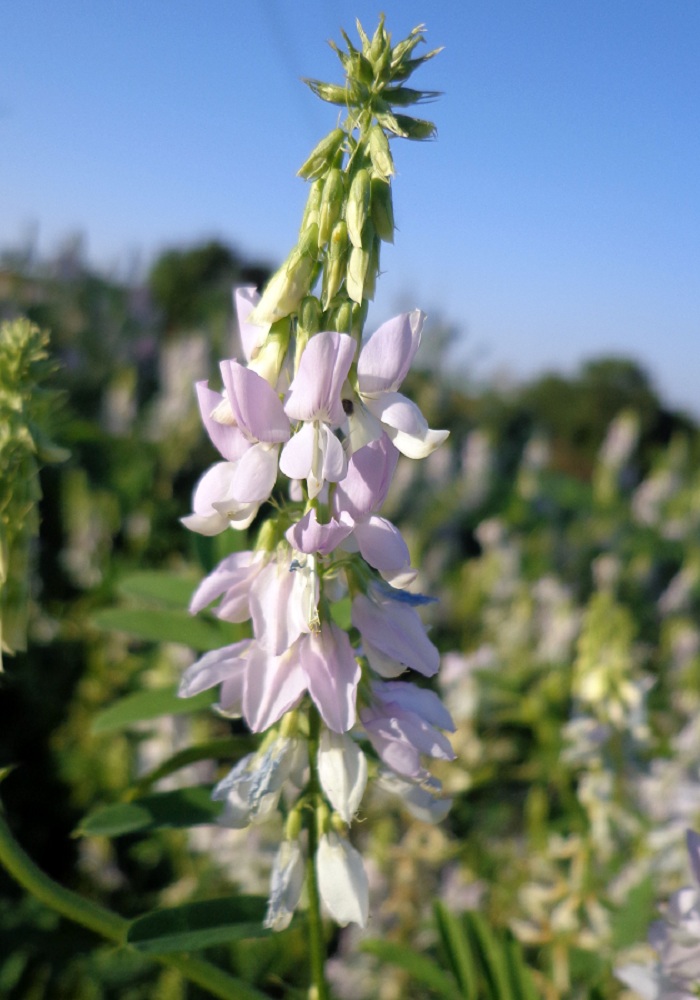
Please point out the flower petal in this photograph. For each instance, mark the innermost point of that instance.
(307, 535)
(226, 438)
(256, 407)
(323, 367)
(342, 880)
(286, 885)
(272, 685)
(386, 357)
(252, 336)
(342, 769)
(213, 668)
(332, 673)
(381, 545)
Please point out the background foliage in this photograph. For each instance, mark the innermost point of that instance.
(560, 529)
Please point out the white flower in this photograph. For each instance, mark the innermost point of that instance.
(286, 885)
(342, 880)
(342, 768)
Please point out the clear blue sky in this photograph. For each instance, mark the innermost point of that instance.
(557, 217)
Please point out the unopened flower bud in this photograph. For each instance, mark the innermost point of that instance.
(335, 263)
(370, 284)
(358, 264)
(379, 152)
(379, 50)
(416, 128)
(341, 319)
(323, 154)
(382, 209)
(328, 92)
(308, 323)
(358, 206)
(313, 205)
(288, 285)
(269, 360)
(293, 825)
(331, 204)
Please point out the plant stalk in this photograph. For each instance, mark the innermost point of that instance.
(317, 943)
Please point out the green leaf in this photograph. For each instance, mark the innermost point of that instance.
(520, 975)
(199, 925)
(457, 951)
(156, 625)
(143, 706)
(180, 808)
(421, 969)
(491, 956)
(630, 922)
(165, 588)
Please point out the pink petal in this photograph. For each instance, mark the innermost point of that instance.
(273, 684)
(386, 357)
(333, 461)
(315, 390)
(405, 425)
(213, 668)
(256, 407)
(396, 632)
(277, 608)
(252, 336)
(419, 701)
(297, 455)
(381, 545)
(256, 474)
(332, 673)
(364, 488)
(226, 438)
(307, 535)
(231, 574)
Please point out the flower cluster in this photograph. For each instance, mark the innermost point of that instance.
(334, 625)
(327, 550)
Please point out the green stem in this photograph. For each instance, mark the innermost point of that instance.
(108, 924)
(317, 943)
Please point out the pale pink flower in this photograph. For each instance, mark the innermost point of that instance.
(314, 453)
(403, 722)
(262, 687)
(393, 637)
(382, 365)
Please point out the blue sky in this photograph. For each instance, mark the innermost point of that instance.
(557, 216)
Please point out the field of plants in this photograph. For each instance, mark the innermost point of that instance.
(560, 529)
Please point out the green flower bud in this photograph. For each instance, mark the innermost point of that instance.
(288, 285)
(331, 204)
(267, 536)
(322, 156)
(372, 270)
(358, 206)
(293, 825)
(270, 357)
(382, 209)
(335, 263)
(313, 205)
(357, 271)
(330, 92)
(341, 318)
(405, 96)
(308, 323)
(379, 152)
(379, 46)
